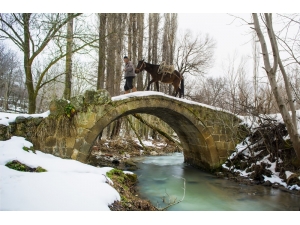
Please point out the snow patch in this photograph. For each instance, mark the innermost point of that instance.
(6, 118)
(155, 93)
(288, 174)
(67, 184)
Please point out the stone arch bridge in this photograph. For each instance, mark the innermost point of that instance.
(208, 135)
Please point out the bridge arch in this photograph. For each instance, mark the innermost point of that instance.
(197, 142)
(203, 139)
(207, 135)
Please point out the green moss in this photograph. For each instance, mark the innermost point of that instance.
(70, 110)
(30, 148)
(132, 177)
(40, 169)
(122, 178)
(114, 172)
(16, 165)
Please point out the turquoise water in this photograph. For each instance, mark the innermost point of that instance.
(204, 192)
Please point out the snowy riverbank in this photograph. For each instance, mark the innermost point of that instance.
(67, 184)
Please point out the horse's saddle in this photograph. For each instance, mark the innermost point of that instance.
(164, 69)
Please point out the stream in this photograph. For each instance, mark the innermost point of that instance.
(160, 177)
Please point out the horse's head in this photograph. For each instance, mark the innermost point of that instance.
(140, 66)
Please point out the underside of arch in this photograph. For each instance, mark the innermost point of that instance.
(199, 148)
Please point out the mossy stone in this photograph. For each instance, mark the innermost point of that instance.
(37, 120)
(98, 97)
(78, 102)
(57, 107)
(20, 119)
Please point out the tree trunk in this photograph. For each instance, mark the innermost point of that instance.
(172, 42)
(5, 101)
(111, 53)
(271, 72)
(140, 25)
(102, 50)
(68, 79)
(156, 129)
(134, 42)
(121, 25)
(129, 48)
(136, 133)
(27, 65)
(155, 37)
(150, 24)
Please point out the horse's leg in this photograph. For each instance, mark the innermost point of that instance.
(157, 85)
(176, 83)
(148, 87)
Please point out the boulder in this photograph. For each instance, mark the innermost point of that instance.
(130, 165)
(98, 97)
(153, 153)
(129, 162)
(20, 119)
(4, 133)
(293, 179)
(78, 102)
(37, 120)
(243, 165)
(267, 184)
(220, 174)
(57, 107)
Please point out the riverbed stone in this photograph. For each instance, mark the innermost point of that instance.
(153, 153)
(267, 183)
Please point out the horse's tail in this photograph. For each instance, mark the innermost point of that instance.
(182, 86)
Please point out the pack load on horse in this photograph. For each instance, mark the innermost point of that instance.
(163, 73)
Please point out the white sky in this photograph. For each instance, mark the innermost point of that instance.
(232, 37)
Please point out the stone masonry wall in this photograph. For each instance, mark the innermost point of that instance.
(208, 136)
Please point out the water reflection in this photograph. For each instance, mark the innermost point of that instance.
(158, 176)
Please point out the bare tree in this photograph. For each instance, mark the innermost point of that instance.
(194, 55)
(271, 70)
(155, 34)
(68, 78)
(102, 50)
(140, 34)
(33, 34)
(291, 44)
(168, 43)
(111, 52)
(11, 83)
(150, 30)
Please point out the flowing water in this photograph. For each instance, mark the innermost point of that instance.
(160, 178)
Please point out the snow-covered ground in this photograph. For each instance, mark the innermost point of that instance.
(67, 184)
(6, 118)
(252, 122)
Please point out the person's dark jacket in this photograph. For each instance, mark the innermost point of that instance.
(129, 70)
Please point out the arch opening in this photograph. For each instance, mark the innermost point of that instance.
(195, 147)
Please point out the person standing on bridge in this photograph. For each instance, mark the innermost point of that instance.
(129, 76)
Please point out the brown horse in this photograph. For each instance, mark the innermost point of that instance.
(175, 78)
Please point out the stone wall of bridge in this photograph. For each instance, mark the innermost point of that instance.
(207, 135)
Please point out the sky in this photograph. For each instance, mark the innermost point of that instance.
(232, 36)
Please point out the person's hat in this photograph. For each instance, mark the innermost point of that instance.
(125, 57)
